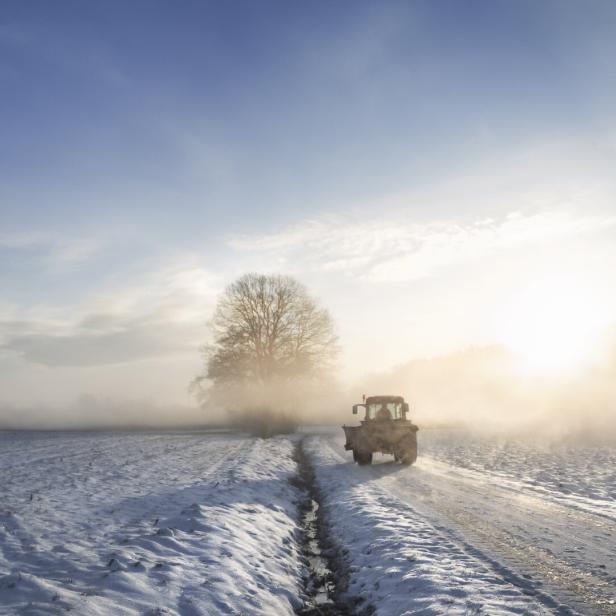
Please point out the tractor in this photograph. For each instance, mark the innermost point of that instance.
(384, 429)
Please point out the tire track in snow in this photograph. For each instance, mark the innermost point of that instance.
(521, 533)
(493, 525)
(399, 560)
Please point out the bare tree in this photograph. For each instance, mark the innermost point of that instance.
(265, 329)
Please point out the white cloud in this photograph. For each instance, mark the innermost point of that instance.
(401, 250)
(161, 314)
(73, 252)
(54, 252)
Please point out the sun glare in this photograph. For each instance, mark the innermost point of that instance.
(553, 326)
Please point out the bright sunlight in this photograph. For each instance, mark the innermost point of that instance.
(554, 326)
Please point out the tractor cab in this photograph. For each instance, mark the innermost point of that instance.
(382, 408)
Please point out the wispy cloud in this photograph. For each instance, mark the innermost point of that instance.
(56, 253)
(402, 250)
(161, 315)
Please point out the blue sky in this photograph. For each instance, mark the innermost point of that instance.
(153, 150)
(128, 111)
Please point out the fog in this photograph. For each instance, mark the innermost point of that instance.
(481, 388)
(486, 389)
(89, 412)
(319, 401)
(278, 404)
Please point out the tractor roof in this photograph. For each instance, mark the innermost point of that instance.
(384, 399)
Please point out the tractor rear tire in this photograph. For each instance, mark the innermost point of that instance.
(362, 458)
(407, 450)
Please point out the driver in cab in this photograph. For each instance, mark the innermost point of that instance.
(383, 414)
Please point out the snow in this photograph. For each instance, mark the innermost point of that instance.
(147, 524)
(185, 523)
(575, 472)
(398, 561)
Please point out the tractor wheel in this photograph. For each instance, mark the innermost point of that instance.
(364, 458)
(406, 451)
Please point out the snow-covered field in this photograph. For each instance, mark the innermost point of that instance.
(147, 524)
(203, 523)
(574, 471)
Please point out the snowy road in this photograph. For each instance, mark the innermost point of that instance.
(570, 552)
(559, 548)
